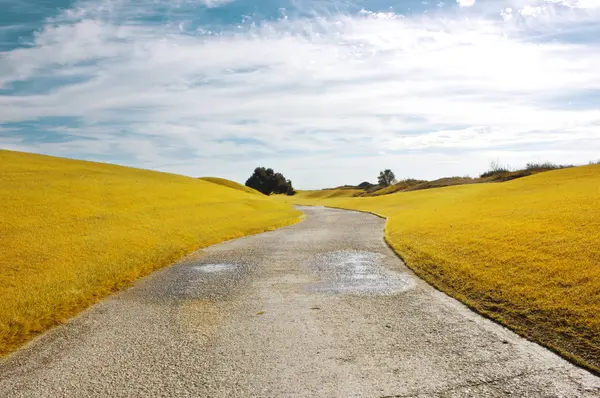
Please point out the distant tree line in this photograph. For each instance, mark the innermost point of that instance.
(268, 182)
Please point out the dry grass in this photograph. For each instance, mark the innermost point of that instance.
(329, 193)
(399, 186)
(72, 232)
(410, 184)
(524, 252)
(230, 184)
(441, 183)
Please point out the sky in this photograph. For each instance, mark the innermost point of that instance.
(326, 92)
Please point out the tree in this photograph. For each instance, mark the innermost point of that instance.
(268, 182)
(386, 178)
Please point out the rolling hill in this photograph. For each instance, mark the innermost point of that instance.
(72, 232)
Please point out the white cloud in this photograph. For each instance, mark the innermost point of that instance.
(533, 11)
(466, 3)
(321, 91)
(577, 3)
(215, 3)
(557, 10)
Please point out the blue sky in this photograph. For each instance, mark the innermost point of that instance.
(328, 92)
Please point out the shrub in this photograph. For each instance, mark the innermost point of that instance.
(365, 185)
(495, 169)
(542, 166)
(267, 182)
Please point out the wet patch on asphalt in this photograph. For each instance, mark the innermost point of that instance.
(215, 267)
(357, 272)
(215, 280)
(198, 280)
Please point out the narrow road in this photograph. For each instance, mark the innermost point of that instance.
(322, 308)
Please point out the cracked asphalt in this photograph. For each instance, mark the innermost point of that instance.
(322, 308)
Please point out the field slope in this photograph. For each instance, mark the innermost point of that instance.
(72, 232)
(524, 252)
(328, 193)
(230, 184)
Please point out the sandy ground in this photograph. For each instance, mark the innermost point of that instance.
(322, 308)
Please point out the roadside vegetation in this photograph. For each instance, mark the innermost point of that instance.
(387, 183)
(72, 232)
(524, 252)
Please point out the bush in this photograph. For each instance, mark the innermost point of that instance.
(267, 182)
(491, 173)
(495, 169)
(541, 166)
(365, 185)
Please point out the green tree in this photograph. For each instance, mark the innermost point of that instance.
(386, 178)
(268, 181)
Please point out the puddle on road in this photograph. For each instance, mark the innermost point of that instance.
(206, 281)
(215, 267)
(357, 272)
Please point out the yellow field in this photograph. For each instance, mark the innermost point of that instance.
(328, 193)
(72, 232)
(230, 184)
(524, 252)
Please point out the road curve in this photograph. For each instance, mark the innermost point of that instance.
(322, 308)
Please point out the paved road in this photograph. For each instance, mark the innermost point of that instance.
(322, 308)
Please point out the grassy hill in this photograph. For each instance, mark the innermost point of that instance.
(410, 184)
(72, 232)
(230, 184)
(329, 193)
(524, 252)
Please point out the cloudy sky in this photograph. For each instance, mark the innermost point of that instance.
(327, 92)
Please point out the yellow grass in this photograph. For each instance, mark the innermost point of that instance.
(230, 184)
(328, 193)
(72, 232)
(524, 252)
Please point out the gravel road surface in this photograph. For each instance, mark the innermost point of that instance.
(322, 308)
